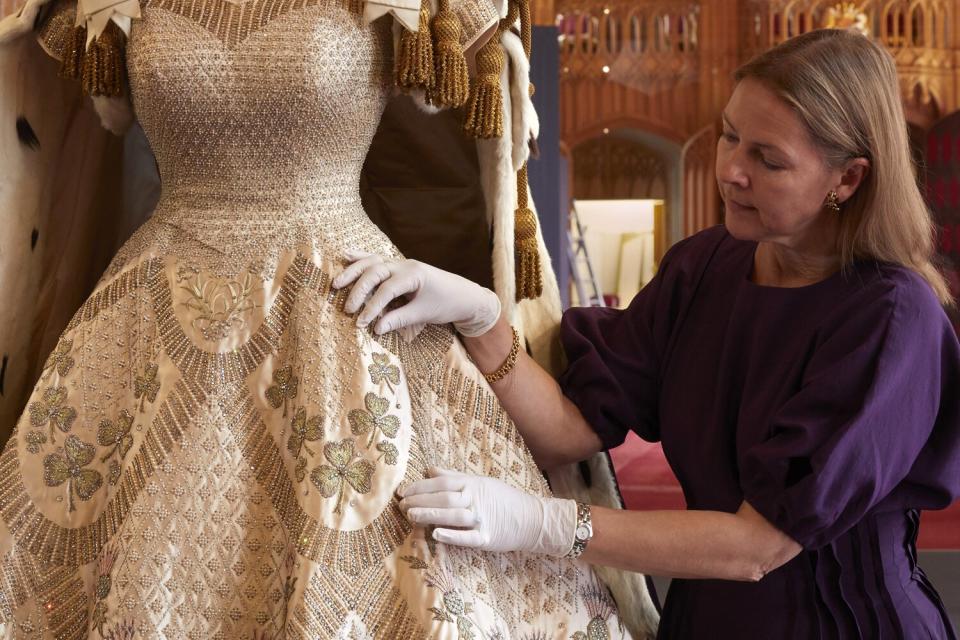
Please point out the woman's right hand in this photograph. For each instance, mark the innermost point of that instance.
(435, 296)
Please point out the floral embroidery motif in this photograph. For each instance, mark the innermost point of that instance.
(303, 430)
(123, 631)
(455, 608)
(69, 467)
(285, 388)
(331, 480)
(103, 585)
(388, 452)
(382, 371)
(146, 387)
(60, 360)
(50, 410)
(35, 441)
(116, 435)
(414, 562)
(114, 473)
(290, 583)
(599, 607)
(220, 306)
(373, 419)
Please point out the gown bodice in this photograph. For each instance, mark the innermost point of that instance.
(260, 115)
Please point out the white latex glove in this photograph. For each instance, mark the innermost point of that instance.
(489, 514)
(436, 296)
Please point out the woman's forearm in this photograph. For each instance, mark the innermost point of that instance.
(689, 544)
(550, 424)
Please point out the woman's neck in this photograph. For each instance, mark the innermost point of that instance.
(776, 265)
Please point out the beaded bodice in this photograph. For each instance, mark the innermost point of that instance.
(260, 115)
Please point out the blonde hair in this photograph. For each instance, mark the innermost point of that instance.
(844, 88)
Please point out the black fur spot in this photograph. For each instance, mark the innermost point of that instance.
(3, 371)
(26, 134)
(585, 473)
(33, 239)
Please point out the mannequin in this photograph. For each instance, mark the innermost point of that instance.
(213, 336)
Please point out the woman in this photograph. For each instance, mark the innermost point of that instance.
(796, 364)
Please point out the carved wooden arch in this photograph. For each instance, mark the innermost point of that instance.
(637, 24)
(617, 167)
(893, 14)
(596, 129)
(940, 25)
(923, 110)
(920, 34)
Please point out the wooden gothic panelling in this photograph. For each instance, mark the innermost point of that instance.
(701, 205)
(943, 195)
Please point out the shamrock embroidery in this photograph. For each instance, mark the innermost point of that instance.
(388, 451)
(146, 387)
(284, 388)
(69, 467)
(331, 480)
(382, 371)
(301, 471)
(50, 410)
(373, 419)
(35, 441)
(116, 435)
(303, 430)
(60, 360)
(114, 475)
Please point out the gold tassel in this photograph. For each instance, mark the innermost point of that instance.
(484, 117)
(414, 64)
(452, 80)
(529, 277)
(99, 67)
(71, 67)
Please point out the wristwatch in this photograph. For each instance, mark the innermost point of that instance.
(583, 532)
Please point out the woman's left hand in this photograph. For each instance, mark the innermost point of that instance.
(485, 513)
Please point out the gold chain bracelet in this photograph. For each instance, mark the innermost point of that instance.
(509, 363)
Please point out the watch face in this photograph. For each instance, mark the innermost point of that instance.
(583, 532)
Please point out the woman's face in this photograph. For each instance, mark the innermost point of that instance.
(772, 177)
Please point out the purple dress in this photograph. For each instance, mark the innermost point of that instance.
(833, 409)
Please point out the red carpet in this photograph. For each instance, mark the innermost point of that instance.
(647, 483)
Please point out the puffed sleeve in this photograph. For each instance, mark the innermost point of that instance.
(55, 31)
(614, 355)
(477, 20)
(876, 413)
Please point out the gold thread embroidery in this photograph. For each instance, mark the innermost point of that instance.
(381, 371)
(373, 419)
(60, 360)
(232, 23)
(284, 388)
(146, 387)
(51, 410)
(342, 471)
(219, 307)
(69, 467)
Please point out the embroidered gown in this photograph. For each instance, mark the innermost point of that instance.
(213, 448)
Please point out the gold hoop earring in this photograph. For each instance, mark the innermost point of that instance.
(833, 202)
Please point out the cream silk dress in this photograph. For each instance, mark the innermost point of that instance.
(213, 448)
